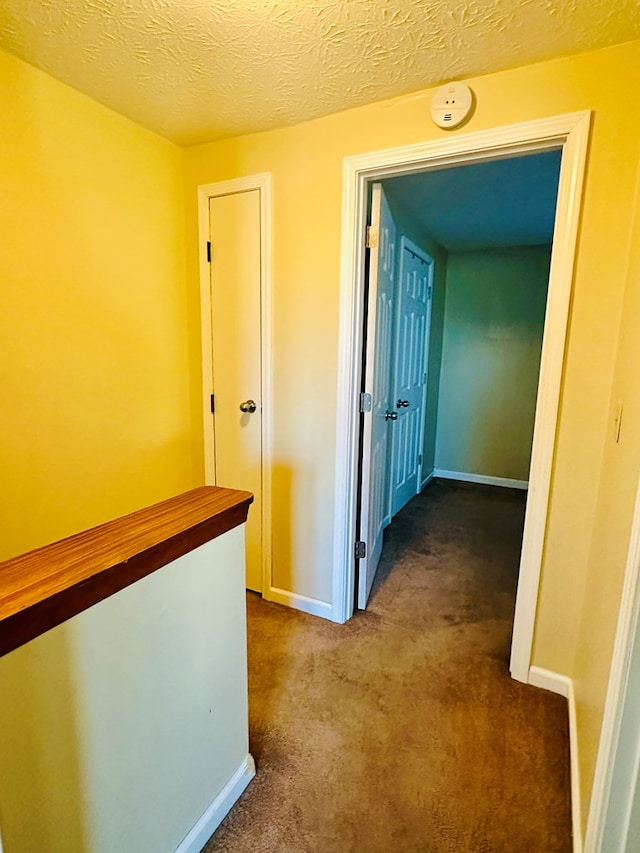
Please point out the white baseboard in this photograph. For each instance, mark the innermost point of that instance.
(549, 680)
(300, 602)
(485, 480)
(427, 479)
(563, 685)
(204, 828)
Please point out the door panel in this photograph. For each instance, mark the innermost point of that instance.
(375, 449)
(410, 372)
(234, 222)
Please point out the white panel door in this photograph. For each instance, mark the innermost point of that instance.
(234, 222)
(375, 442)
(413, 320)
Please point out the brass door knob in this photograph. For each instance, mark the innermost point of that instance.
(248, 406)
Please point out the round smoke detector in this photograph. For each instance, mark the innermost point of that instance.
(451, 105)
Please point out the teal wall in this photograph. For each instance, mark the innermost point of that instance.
(493, 325)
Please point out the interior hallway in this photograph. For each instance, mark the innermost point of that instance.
(401, 730)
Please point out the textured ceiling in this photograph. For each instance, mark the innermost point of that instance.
(509, 202)
(196, 70)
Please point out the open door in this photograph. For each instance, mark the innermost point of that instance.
(415, 287)
(379, 420)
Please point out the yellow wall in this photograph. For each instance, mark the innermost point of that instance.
(612, 523)
(95, 414)
(95, 417)
(306, 162)
(99, 337)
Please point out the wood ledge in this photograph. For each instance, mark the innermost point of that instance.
(45, 587)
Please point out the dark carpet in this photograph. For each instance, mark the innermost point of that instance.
(402, 730)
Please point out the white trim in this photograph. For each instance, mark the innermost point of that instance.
(428, 479)
(300, 602)
(549, 388)
(213, 816)
(263, 183)
(628, 618)
(548, 680)
(485, 479)
(563, 685)
(569, 132)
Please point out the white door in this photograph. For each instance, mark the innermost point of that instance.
(375, 439)
(414, 289)
(234, 229)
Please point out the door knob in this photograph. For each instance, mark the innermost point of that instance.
(391, 416)
(248, 406)
(402, 404)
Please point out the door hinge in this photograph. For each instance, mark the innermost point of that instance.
(361, 550)
(365, 403)
(430, 291)
(213, 406)
(420, 459)
(371, 237)
(208, 251)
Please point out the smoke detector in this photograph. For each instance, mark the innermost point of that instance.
(451, 105)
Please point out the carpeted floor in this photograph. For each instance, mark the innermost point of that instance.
(401, 731)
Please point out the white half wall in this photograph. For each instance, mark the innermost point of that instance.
(121, 728)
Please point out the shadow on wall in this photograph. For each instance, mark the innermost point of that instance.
(291, 491)
(282, 576)
(500, 432)
(40, 774)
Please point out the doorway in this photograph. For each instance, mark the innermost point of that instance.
(490, 226)
(235, 286)
(398, 312)
(570, 135)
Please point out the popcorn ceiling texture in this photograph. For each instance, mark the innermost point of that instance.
(198, 70)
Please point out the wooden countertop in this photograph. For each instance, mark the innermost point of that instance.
(43, 588)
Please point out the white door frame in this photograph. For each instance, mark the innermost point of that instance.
(263, 183)
(569, 132)
(600, 810)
